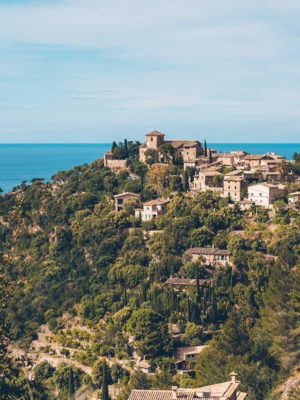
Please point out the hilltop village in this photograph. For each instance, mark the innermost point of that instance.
(164, 271)
(246, 179)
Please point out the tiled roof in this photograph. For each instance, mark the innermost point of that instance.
(219, 391)
(233, 178)
(294, 194)
(156, 202)
(256, 156)
(185, 281)
(109, 152)
(208, 250)
(155, 133)
(234, 173)
(144, 145)
(182, 143)
(224, 155)
(127, 194)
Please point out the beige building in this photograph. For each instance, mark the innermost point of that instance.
(205, 181)
(234, 186)
(121, 199)
(151, 209)
(220, 391)
(294, 198)
(211, 255)
(189, 150)
(264, 194)
(187, 356)
(114, 165)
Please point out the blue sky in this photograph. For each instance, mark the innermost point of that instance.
(103, 70)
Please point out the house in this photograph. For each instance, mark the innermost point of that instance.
(212, 255)
(122, 198)
(186, 357)
(220, 391)
(226, 159)
(152, 209)
(171, 282)
(238, 155)
(255, 161)
(235, 186)
(145, 367)
(264, 194)
(206, 181)
(114, 165)
(294, 198)
(189, 150)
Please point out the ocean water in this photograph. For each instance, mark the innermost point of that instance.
(22, 162)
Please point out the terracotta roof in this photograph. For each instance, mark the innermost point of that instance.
(235, 172)
(182, 143)
(144, 145)
(208, 250)
(256, 156)
(221, 390)
(233, 178)
(156, 202)
(224, 155)
(155, 133)
(185, 281)
(294, 194)
(127, 194)
(109, 152)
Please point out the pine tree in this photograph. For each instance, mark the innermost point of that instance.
(105, 395)
(205, 148)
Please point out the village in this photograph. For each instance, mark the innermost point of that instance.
(247, 179)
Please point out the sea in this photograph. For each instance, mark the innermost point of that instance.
(23, 162)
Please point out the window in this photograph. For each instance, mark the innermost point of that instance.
(152, 139)
(187, 153)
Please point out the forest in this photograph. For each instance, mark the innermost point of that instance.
(67, 255)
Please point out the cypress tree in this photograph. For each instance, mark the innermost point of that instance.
(210, 158)
(126, 155)
(105, 395)
(185, 181)
(113, 146)
(71, 383)
(198, 285)
(205, 148)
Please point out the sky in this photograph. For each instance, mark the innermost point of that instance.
(101, 70)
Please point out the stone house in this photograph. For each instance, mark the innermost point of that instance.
(189, 150)
(294, 198)
(145, 367)
(235, 186)
(187, 356)
(183, 282)
(122, 198)
(220, 391)
(255, 161)
(212, 255)
(264, 194)
(205, 181)
(152, 209)
(114, 165)
(226, 159)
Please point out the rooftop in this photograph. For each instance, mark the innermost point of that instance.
(156, 202)
(208, 250)
(185, 281)
(126, 194)
(155, 133)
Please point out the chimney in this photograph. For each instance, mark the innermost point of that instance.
(233, 376)
(174, 392)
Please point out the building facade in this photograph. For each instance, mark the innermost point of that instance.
(151, 209)
(235, 186)
(264, 194)
(211, 255)
(122, 198)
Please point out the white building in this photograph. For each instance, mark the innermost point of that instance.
(264, 194)
(152, 209)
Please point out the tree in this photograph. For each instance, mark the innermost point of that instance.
(167, 151)
(210, 157)
(113, 146)
(150, 332)
(150, 156)
(185, 181)
(205, 148)
(105, 395)
(158, 175)
(71, 383)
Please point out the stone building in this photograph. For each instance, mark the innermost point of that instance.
(122, 198)
(114, 165)
(205, 181)
(220, 391)
(294, 198)
(186, 357)
(189, 150)
(235, 186)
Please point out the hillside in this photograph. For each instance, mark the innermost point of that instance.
(94, 280)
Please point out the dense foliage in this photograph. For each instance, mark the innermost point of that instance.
(64, 249)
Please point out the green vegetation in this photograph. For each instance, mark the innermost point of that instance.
(64, 250)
